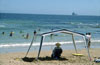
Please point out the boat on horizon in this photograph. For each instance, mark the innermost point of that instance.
(74, 14)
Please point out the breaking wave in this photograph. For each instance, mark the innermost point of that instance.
(37, 44)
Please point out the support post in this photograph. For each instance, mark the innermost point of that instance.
(86, 43)
(74, 43)
(30, 46)
(40, 47)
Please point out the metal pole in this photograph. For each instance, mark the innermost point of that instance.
(30, 46)
(86, 43)
(40, 46)
(74, 43)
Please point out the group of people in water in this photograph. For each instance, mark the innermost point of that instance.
(11, 33)
(26, 36)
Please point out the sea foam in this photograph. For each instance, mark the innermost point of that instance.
(38, 43)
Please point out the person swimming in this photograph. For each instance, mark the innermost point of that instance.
(27, 35)
(21, 32)
(3, 33)
(11, 33)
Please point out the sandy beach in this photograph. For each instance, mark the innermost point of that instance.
(66, 59)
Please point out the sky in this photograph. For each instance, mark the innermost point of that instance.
(63, 7)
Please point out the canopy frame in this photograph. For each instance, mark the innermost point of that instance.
(66, 32)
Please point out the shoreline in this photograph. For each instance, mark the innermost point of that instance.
(15, 58)
(45, 48)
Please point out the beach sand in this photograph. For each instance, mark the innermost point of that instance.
(67, 58)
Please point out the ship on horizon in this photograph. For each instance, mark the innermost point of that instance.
(74, 14)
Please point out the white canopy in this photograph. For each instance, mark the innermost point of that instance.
(65, 32)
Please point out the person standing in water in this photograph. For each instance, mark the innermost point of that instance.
(88, 39)
(3, 33)
(34, 32)
(27, 35)
(11, 33)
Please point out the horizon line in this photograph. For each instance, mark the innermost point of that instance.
(46, 14)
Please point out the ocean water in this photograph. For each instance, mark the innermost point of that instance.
(21, 24)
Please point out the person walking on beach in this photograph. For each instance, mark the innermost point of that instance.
(88, 39)
(57, 51)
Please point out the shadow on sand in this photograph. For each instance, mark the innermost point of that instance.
(28, 59)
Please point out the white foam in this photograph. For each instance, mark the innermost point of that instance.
(34, 44)
(2, 26)
(37, 43)
(95, 40)
(16, 45)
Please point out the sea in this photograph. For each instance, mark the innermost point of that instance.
(22, 24)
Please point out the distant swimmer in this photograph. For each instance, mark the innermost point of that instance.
(23, 36)
(51, 35)
(35, 32)
(39, 29)
(11, 33)
(27, 36)
(3, 33)
(21, 31)
(34, 37)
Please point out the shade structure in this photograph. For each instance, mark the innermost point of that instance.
(65, 32)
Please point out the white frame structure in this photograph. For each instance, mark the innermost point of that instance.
(65, 32)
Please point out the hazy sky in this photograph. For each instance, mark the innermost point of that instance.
(66, 7)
